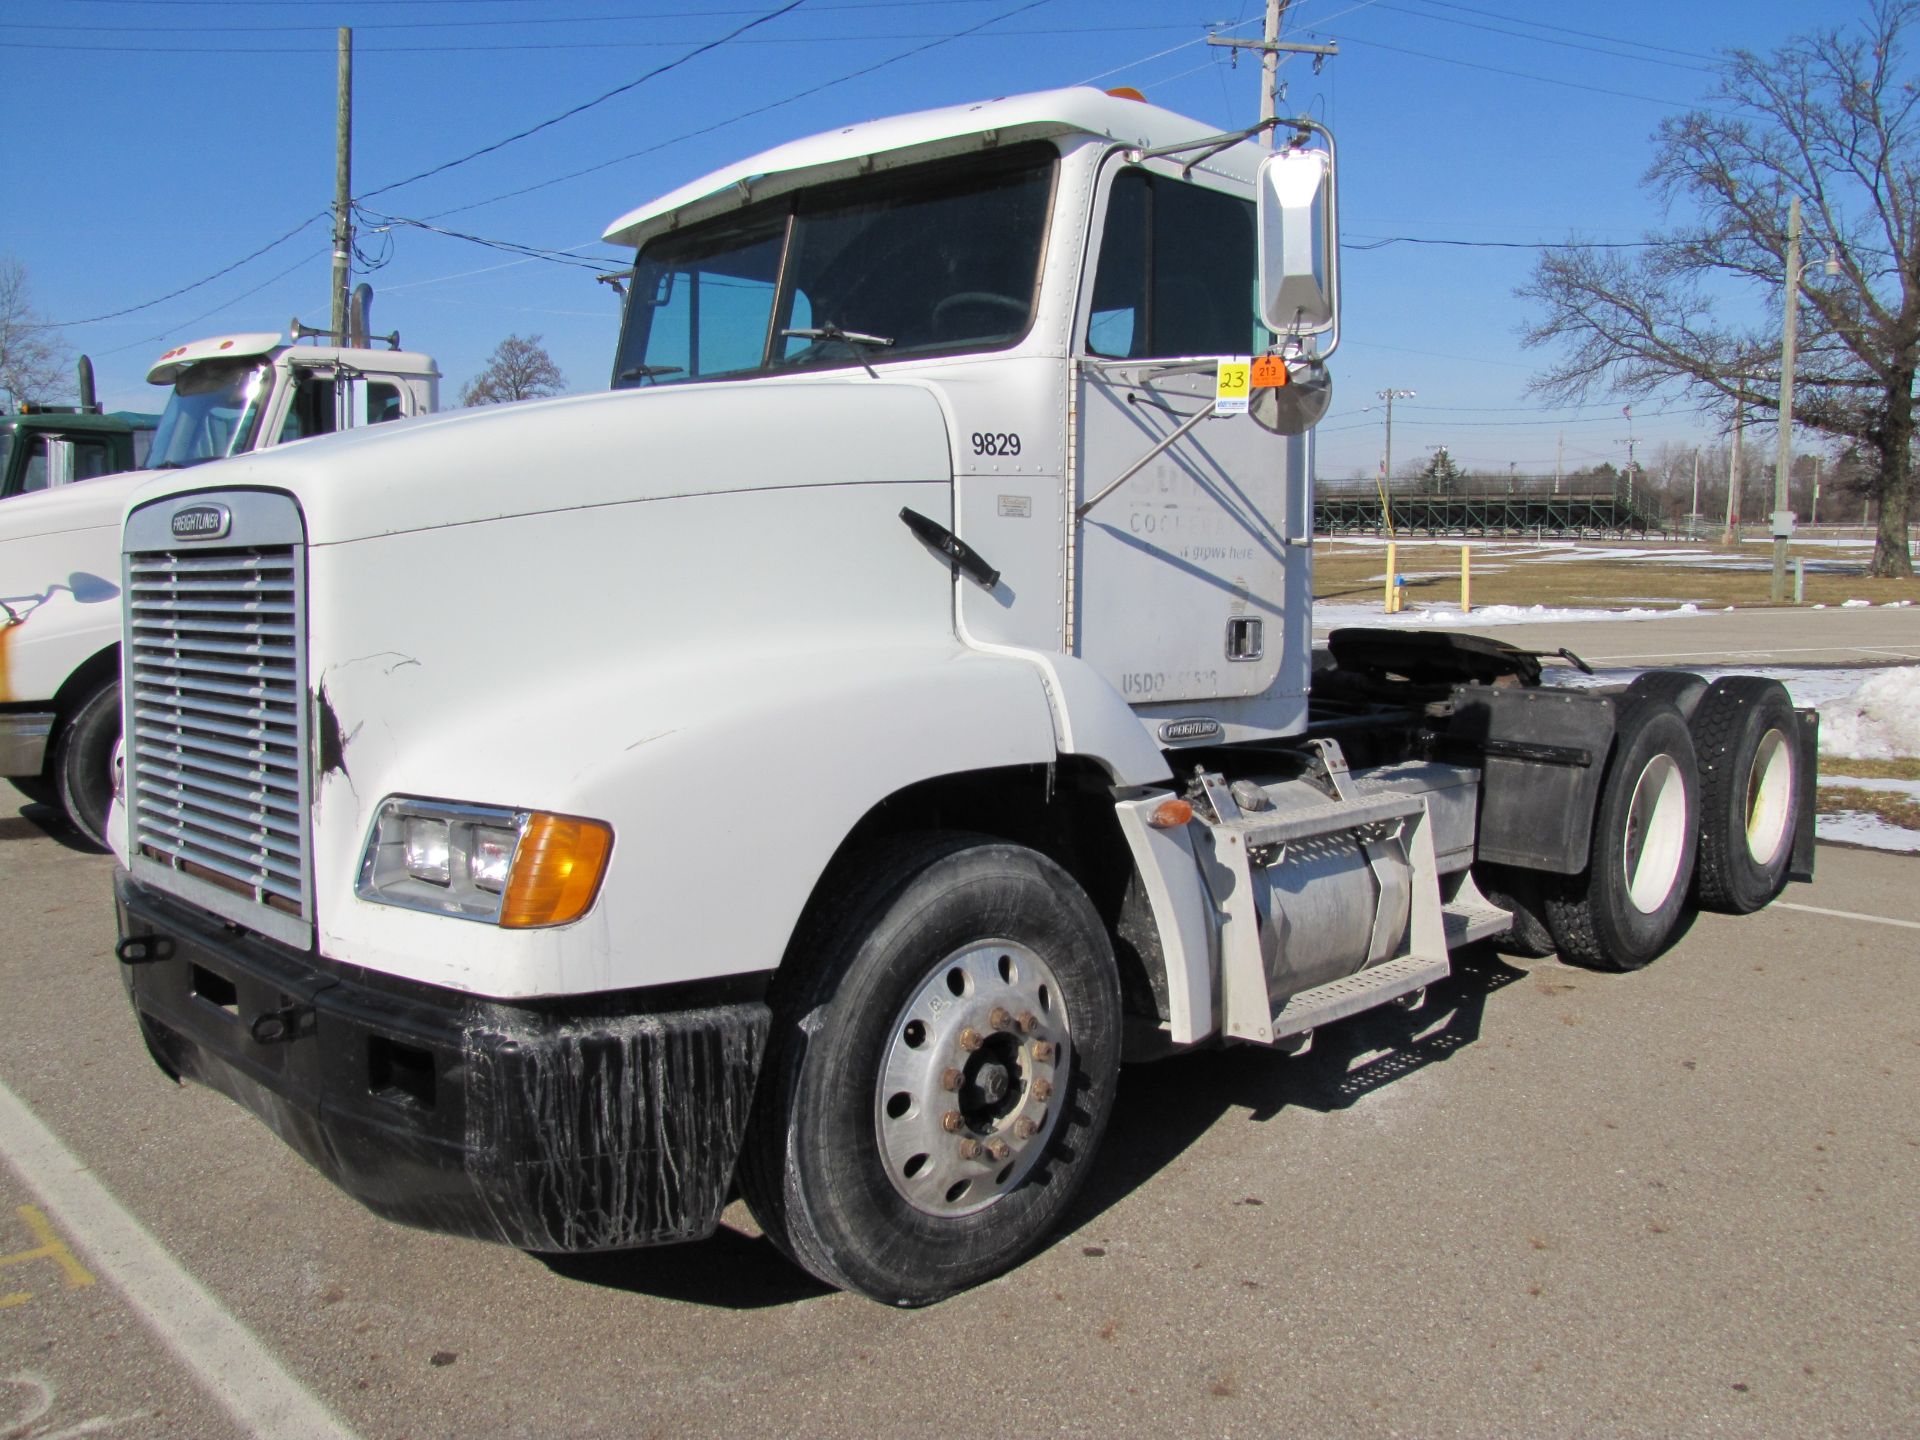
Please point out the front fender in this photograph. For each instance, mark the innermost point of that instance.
(729, 785)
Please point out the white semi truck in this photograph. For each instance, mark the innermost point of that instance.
(815, 765)
(60, 618)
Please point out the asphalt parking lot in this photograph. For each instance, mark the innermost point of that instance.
(1680, 1202)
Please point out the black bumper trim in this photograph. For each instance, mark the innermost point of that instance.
(545, 1126)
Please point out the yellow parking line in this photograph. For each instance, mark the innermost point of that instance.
(51, 1247)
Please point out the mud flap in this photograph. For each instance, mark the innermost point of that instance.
(1800, 867)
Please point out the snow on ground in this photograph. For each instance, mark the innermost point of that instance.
(1850, 828)
(1330, 616)
(1878, 720)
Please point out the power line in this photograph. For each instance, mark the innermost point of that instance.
(226, 304)
(378, 221)
(175, 294)
(1519, 74)
(585, 105)
(1548, 40)
(1567, 30)
(735, 118)
(1383, 241)
(543, 22)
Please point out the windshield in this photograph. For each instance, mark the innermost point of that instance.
(932, 260)
(212, 413)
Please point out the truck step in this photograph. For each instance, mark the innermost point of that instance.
(1282, 827)
(1338, 999)
(1467, 922)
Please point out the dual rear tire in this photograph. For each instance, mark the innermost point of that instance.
(1701, 801)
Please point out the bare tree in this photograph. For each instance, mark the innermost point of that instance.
(520, 369)
(33, 361)
(1833, 118)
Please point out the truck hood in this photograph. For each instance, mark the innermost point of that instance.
(468, 467)
(81, 505)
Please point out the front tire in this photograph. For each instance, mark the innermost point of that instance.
(83, 762)
(943, 1061)
(1619, 911)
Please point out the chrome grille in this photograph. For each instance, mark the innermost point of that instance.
(217, 722)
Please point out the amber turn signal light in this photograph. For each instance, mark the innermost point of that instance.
(1170, 814)
(557, 871)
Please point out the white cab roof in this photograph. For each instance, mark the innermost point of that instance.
(906, 139)
(167, 368)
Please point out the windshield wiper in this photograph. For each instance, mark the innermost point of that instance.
(855, 338)
(834, 332)
(650, 372)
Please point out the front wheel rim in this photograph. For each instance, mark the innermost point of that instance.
(971, 1085)
(1656, 834)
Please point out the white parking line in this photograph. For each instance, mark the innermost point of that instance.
(1848, 915)
(237, 1370)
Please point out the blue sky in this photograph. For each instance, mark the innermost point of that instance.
(173, 138)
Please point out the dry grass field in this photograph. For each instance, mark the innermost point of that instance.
(1598, 573)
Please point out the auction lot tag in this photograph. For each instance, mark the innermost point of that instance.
(1269, 371)
(1232, 385)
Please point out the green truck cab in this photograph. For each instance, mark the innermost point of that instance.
(42, 446)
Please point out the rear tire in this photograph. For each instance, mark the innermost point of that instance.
(1517, 891)
(1680, 688)
(903, 1145)
(1619, 911)
(1746, 734)
(83, 762)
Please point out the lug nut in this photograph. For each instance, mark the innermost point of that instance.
(950, 1079)
(951, 1122)
(1043, 1090)
(1029, 1022)
(970, 1149)
(970, 1039)
(1023, 1128)
(999, 1149)
(1001, 1018)
(1042, 1051)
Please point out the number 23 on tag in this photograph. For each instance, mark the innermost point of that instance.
(1232, 385)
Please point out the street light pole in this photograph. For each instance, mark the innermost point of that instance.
(1783, 461)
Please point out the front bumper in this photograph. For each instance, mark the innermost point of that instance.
(23, 741)
(593, 1123)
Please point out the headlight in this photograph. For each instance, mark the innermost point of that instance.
(515, 868)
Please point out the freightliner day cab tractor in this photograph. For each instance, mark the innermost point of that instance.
(815, 765)
(60, 617)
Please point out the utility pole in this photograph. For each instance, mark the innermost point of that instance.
(1271, 48)
(1386, 465)
(1814, 518)
(343, 190)
(1559, 454)
(1783, 461)
(1732, 534)
(1693, 515)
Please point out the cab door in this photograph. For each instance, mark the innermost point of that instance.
(1184, 576)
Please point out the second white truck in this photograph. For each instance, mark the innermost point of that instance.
(60, 617)
(813, 766)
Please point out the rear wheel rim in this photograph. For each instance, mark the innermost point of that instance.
(969, 1089)
(1656, 834)
(1769, 799)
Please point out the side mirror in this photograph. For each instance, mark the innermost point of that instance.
(1299, 242)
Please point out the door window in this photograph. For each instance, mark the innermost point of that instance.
(1177, 272)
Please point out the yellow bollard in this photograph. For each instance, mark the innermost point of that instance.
(1393, 590)
(1466, 581)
